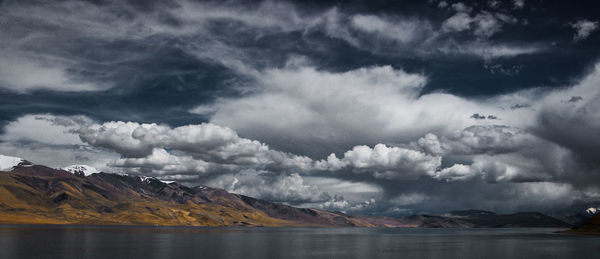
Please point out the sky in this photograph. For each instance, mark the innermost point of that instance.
(367, 107)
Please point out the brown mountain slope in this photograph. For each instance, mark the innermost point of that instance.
(590, 227)
(35, 194)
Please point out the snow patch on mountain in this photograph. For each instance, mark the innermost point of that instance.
(81, 170)
(8, 162)
(147, 179)
(592, 211)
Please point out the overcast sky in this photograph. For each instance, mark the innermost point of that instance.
(364, 107)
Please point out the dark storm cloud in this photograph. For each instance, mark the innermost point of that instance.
(519, 106)
(363, 106)
(575, 99)
(477, 116)
(577, 131)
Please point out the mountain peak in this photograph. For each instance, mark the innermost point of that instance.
(7, 163)
(150, 180)
(82, 170)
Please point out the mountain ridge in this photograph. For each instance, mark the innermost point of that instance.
(39, 194)
(36, 194)
(520, 219)
(590, 227)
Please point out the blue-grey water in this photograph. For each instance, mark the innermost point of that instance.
(181, 242)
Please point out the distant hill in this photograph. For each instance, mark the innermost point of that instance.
(35, 194)
(574, 218)
(431, 221)
(590, 227)
(522, 219)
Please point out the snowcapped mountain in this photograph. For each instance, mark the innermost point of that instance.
(42, 192)
(86, 170)
(81, 170)
(105, 198)
(147, 179)
(8, 162)
(592, 211)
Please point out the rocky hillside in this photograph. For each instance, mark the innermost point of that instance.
(39, 194)
(590, 227)
(35, 194)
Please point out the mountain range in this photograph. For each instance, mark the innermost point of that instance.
(36, 194)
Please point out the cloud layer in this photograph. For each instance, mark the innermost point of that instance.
(84, 41)
(528, 149)
(383, 108)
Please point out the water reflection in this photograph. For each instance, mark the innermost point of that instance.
(184, 242)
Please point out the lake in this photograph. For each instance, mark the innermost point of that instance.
(190, 242)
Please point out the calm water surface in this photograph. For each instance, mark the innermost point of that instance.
(180, 242)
